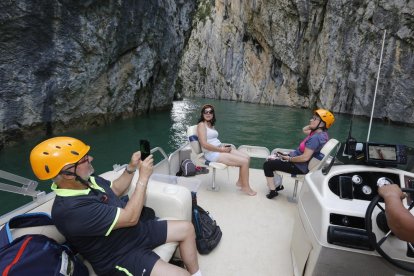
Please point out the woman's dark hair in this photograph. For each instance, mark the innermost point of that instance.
(201, 119)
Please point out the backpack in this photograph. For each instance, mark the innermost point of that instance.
(208, 233)
(36, 254)
(188, 168)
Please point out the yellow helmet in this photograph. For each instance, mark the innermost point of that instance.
(50, 156)
(326, 116)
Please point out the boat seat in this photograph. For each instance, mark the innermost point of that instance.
(169, 202)
(199, 159)
(328, 150)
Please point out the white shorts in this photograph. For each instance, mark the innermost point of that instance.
(212, 156)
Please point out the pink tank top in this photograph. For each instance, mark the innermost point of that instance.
(302, 144)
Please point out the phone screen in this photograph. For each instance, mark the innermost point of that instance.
(144, 147)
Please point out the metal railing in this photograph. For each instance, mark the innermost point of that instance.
(25, 186)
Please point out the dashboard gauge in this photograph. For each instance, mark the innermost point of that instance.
(356, 179)
(383, 181)
(366, 189)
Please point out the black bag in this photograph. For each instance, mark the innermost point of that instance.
(208, 233)
(187, 168)
(35, 254)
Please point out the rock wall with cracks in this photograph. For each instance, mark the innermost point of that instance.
(306, 53)
(74, 64)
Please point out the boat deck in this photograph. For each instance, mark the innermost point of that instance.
(256, 231)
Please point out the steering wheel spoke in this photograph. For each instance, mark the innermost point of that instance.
(379, 206)
(383, 239)
(411, 206)
(410, 245)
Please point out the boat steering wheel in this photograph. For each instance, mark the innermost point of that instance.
(372, 237)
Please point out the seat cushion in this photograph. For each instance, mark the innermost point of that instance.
(193, 138)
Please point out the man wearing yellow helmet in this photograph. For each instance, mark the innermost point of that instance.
(296, 162)
(98, 223)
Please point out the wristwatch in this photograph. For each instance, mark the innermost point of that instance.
(130, 171)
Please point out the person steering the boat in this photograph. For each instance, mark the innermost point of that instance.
(105, 229)
(215, 151)
(399, 219)
(296, 161)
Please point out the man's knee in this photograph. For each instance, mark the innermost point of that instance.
(186, 228)
(189, 229)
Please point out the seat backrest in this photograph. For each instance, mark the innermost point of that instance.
(193, 138)
(330, 147)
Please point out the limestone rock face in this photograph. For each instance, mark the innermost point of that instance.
(80, 63)
(304, 53)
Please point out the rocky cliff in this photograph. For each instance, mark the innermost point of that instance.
(304, 53)
(73, 63)
(82, 63)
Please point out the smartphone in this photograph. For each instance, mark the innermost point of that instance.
(227, 146)
(144, 147)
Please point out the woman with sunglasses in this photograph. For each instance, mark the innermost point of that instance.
(215, 151)
(296, 161)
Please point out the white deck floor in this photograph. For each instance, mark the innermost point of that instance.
(256, 231)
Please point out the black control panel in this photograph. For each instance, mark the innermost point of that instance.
(360, 185)
(347, 221)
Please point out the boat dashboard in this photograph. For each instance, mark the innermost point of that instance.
(363, 185)
(333, 209)
(333, 204)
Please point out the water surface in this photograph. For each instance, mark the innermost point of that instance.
(238, 123)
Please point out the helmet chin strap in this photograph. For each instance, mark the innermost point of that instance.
(317, 127)
(77, 178)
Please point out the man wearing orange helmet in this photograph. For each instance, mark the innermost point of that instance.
(296, 162)
(100, 225)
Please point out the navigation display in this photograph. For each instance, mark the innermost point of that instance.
(382, 152)
(385, 154)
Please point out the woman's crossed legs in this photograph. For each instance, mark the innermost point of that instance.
(239, 159)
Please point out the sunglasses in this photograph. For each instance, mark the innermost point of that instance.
(83, 160)
(208, 111)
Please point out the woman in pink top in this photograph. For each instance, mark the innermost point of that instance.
(296, 162)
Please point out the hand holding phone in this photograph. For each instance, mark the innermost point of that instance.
(144, 147)
(282, 153)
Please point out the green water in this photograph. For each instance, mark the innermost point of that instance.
(238, 123)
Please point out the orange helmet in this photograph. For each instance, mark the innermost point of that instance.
(50, 156)
(326, 116)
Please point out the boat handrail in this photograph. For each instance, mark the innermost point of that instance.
(27, 188)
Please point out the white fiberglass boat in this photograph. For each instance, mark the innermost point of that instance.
(316, 226)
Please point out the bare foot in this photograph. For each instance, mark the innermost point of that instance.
(248, 191)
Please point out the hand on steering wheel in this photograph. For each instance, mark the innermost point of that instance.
(373, 239)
